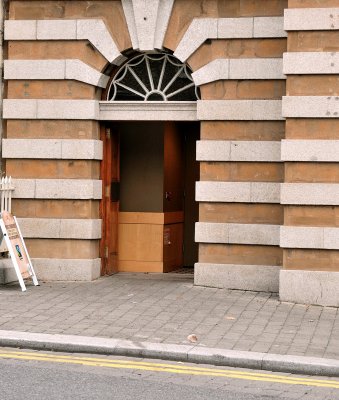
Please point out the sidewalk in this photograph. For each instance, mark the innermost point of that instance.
(166, 309)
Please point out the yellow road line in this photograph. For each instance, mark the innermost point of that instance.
(169, 368)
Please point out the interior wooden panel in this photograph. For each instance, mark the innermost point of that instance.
(140, 266)
(140, 242)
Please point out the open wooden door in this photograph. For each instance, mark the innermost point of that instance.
(110, 173)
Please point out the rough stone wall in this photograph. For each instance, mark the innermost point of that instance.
(310, 194)
(58, 52)
(268, 189)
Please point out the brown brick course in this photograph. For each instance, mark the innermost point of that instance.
(240, 254)
(241, 171)
(311, 260)
(52, 129)
(243, 89)
(242, 213)
(242, 130)
(312, 85)
(57, 50)
(75, 9)
(69, 90)
(77, 209)
(237, 48)
(53, 169)
(62, 248)
(312, 216)
(312, 172)
(313, 41)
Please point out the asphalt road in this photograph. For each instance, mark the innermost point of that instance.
(47, 375)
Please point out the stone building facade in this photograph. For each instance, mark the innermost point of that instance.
(265, 124)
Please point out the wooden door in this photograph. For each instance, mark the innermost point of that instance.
(110, 173)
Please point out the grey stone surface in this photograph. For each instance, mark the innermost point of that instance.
(138, 314)
(254, 68)
(93, 30)
(310, 193)
(310, 106)
(301, 237)
(310, 150)
(163, 17)
(268, 27)
(51, 269)
(127, 6)
(235, 28)
(311, 63)
(97, 33)
(56, 29)
(60, 228)
(213, 71)
(309, 19)
(312, 287)
(25, 30)
(207, 232)
(148, 111)
(199, 30)
(57, 188)
(233, 276)
(239, 192)
(50, 109)
(242, 110)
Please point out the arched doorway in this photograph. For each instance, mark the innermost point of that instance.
(149, 169)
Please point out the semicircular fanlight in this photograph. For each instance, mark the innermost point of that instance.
(153, 77)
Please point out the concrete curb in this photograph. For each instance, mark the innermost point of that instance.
(173, 352)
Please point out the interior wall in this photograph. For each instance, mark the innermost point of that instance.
(141, 166)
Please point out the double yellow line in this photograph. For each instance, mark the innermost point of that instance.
(169, 368)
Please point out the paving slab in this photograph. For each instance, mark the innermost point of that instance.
(165, 309)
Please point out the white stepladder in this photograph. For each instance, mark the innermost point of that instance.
(12, 241)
